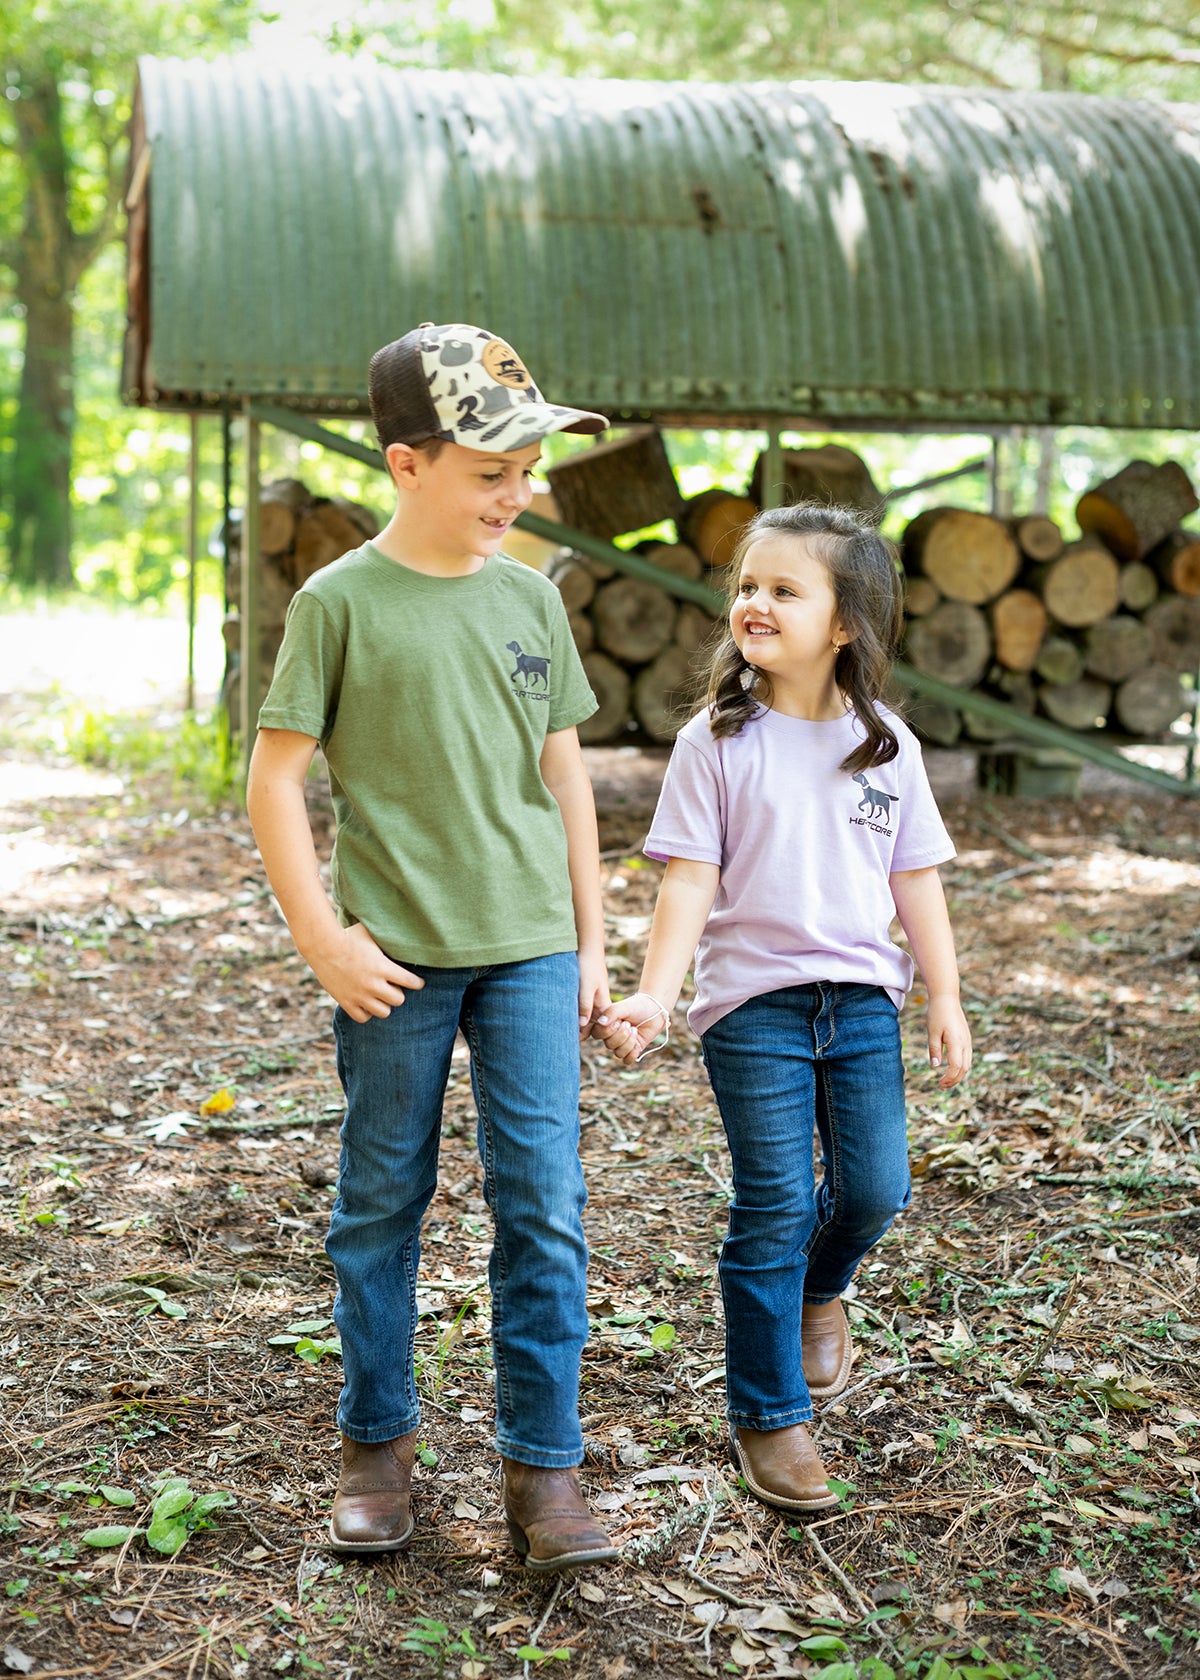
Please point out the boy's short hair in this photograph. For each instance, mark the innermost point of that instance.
(460, 384)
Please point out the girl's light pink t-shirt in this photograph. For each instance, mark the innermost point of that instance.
(805, 852)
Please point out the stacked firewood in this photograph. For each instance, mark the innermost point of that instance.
(298, 534)
(639, 643)
(1095, 632)
(1099, 631)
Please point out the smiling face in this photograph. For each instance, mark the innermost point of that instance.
(785, 617)
(456, 508)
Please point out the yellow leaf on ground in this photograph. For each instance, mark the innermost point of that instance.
(220, 1102)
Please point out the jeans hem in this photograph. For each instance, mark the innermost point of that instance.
(775, 1420)
(542, 1458)
(373, 1435)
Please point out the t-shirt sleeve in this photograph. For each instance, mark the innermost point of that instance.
(922, 841)
(571, 697)
(689, 821)
(308, 672)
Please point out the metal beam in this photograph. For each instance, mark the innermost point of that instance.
(287, 420)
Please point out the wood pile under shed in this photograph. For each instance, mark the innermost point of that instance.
(298, 534)
(1095, 631)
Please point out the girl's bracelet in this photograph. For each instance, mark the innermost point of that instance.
(659, 1009)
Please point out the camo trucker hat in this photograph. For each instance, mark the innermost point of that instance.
(466, 386)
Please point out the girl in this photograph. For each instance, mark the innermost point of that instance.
(796, 821)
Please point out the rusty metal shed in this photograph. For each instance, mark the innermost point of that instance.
(736, 254)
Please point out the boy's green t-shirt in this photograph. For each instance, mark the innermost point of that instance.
(450, 849)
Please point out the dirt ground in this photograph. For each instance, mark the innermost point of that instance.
(1018, 1454)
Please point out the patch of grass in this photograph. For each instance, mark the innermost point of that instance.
(194, 752)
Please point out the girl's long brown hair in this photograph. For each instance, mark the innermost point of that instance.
(866, 585)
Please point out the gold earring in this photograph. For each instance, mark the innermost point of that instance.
(837, 647)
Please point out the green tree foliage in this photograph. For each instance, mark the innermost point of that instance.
(68, 75)
(1110, 48)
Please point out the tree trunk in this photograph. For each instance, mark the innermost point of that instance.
(1081, 587)
(39, 475)
(1133, 511)
(1149, 702)
(953, 643)
(1116, 647)
(969, 556)
(1018, 628)
(51, 257)
(634, 620)
(1078, 705)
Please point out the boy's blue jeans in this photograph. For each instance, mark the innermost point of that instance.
(520, 1021)
(825, 1053)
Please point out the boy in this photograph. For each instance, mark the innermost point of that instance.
(442, 681)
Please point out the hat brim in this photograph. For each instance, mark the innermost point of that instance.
(526, 424)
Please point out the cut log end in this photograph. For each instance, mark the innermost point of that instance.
(610, 685)
(634, 620)
(1149, 702)
(969, 556)
(953, 643)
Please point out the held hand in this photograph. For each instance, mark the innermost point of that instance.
(949, 1040)
(359, 976)
(633, 1025)
(593, 995)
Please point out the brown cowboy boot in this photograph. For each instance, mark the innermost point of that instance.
(372, 1510)
(826, 1351)
(548, 1520)
(782, 1468)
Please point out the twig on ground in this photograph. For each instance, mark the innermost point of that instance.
(537, 1632)
(1051, 1336)
(1024, 1409)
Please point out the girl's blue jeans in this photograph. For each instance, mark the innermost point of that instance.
(520, 1021)
(827, 1054)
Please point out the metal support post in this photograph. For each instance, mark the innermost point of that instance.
(193, 519)
(773, 488)
(248, 695)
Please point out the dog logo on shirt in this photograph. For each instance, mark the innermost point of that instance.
(874, 802)
(532, 668)
(878, 807)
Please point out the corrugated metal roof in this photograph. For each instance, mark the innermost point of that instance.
(849, 251)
